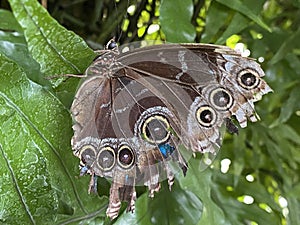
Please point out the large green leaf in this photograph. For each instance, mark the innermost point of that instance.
(38, 169)
(26, 189)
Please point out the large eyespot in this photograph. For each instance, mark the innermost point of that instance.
(221, 99)
(248, 79)
(156, 129)
(206, 116)
(106, 158)
(87, 154)
(126, 157)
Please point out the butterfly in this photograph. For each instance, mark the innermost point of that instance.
(134, 110)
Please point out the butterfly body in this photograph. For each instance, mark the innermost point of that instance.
(134, 110)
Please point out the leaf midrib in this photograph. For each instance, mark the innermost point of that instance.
(23, 115)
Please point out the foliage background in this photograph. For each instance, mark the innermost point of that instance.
(39, 181)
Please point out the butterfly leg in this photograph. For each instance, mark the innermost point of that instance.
(114, 201)
(122, 189)
(93, 183)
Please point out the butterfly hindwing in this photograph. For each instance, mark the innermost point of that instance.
(135, 110)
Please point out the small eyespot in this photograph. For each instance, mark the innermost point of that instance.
(248, 79)
(156, 129)
(87, 154)
(125, 157)
(106, 158)
(221, 99)
(206, 116)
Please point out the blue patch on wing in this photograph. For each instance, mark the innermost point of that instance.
(166, 149)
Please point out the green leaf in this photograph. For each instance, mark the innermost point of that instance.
(24, 176)
(201, 184)
(287, 46)
(8, 22)
(288, 133)
(294, 207)
(241, 7)
(179, 207)
(37, 165)
(221, 23)
(288, 108)
(238, 212)
(238, 23)
(49, 45)
(294, 193)
(13, 45)
(216, 18)
(48, 42)
(177, 30)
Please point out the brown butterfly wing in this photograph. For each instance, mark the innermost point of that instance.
(135, 109)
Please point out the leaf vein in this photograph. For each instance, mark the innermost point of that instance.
(14, 179)
(55, 50)
(19, 111)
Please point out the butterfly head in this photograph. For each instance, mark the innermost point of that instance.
(112, 44)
